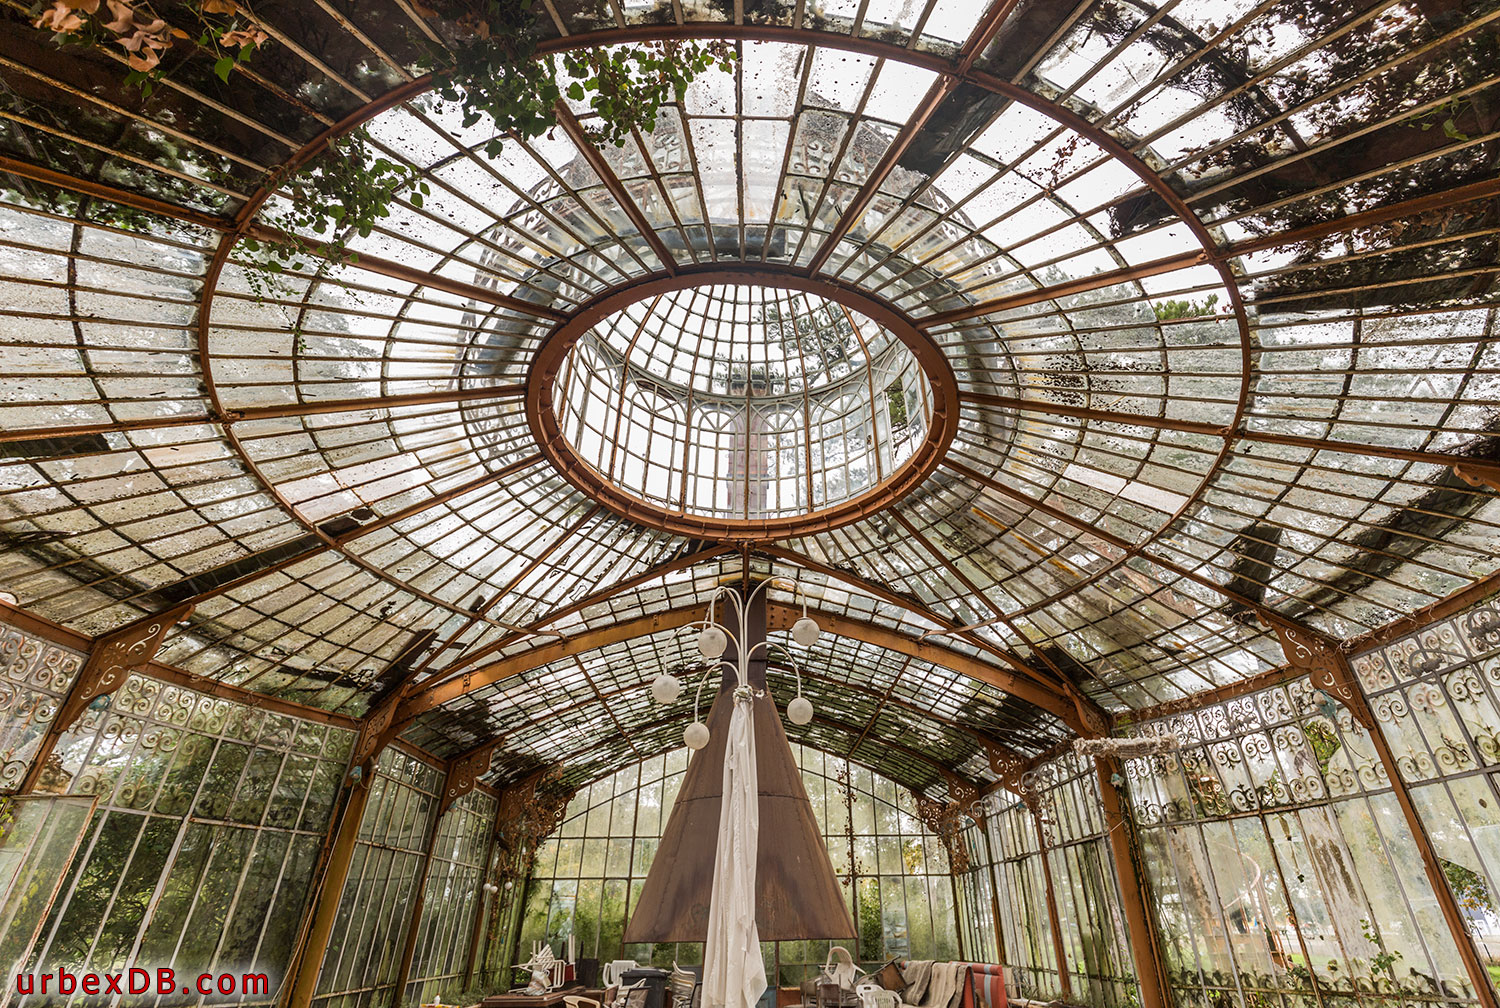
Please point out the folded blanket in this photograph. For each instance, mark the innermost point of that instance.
(917, 973)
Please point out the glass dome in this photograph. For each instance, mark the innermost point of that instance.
(742, 402)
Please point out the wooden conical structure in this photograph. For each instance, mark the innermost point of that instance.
(797, 893)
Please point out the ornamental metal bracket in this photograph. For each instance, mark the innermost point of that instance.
(1327, 668)
(376, 732)
(1010, 769)
(111, 660)
(464, 772)
(1478, 474)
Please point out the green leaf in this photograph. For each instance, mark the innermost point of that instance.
(222, 68)
(575, 91)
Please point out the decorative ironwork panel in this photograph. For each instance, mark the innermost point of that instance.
(1281, 864)
(207, 827)
(34, 677)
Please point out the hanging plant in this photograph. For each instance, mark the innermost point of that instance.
(225, 30)
(490, 68)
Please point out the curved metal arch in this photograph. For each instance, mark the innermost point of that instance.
(780, 617)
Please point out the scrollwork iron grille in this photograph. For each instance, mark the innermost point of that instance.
(207, 827)
(1281, 865)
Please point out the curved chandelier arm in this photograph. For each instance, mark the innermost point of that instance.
(698, 694)
(796, 669)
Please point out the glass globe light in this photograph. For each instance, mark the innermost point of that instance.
(805, 631)
(712, 642)
(695, 735)
(665, 688)
(799, 711)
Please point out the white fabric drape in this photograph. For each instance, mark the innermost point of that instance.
(734, 975)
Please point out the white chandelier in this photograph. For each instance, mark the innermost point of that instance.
(714, 639)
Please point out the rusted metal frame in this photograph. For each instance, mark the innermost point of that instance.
(510, 585)
(1475, 471)
(1259, 608)
(111, 660)
(1088, 711)
(454, 667)
(885, 594)
(1168, 264)
(418, 902)
(98, 190)
(327, 883)
(884, 698)
(158, 125)
(1407, 114)
(510, 258)
(430, 697)
(1054, 922)
(225, 691)
(408, 274)
(1332, 673)
(111, 154)
(614, 443)
(1135, 899)
(905, 137)
(476, 926)
(609, 711)
(823, 184)
(343, 539)
(870, 378)
(574, 129)
(1022, 686)
(542, 417)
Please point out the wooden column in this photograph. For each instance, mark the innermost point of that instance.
(111, 660)
(1329, 670)
(307, 958)
(1151, 979)
(1057, 938)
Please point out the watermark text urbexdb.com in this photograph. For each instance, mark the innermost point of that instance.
(135, 980)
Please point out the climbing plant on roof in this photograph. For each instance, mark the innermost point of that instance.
(487, 64)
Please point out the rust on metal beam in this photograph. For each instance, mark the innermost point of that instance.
(602, 168)
(885, 594)
(547, 364)
(1081, 285)
(430, 697)
(98, 190)
(593, 598)
(935, 96)
(409, 274)
(1135, 901)
(1480, 469)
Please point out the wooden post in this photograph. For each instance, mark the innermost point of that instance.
(1057, 938)
(1151, 978)
(307, 958)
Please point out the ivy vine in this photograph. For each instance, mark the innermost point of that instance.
(487, 65)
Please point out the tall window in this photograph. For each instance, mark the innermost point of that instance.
(894, 872)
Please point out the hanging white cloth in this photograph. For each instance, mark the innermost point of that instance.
(734, 975)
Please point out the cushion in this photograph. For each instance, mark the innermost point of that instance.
(889, 976)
